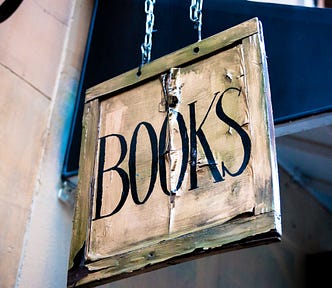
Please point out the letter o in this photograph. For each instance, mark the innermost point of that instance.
(132, 162)
(162, 152)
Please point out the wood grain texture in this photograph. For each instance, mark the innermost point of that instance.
(200, 139)
(133, 224)
(189, 246)
(176, 59)
(87, 159)
(263, 135)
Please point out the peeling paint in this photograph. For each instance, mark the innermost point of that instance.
(172, 86)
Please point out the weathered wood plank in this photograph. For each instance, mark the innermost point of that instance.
(180, 164)
(263, 146)
(193, 245)
(203, 84)
(176, 59)
(87, 166)
(120, 116)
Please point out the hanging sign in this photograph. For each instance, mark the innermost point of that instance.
(177, 160)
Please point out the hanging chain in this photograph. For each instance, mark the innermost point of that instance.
(196, 16)
(147, 45)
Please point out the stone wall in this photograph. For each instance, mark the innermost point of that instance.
(41, 50)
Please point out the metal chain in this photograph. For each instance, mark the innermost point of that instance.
(147, 45)
(196, 16)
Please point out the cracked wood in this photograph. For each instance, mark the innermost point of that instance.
(180, 163)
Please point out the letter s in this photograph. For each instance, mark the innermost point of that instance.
(246, 142)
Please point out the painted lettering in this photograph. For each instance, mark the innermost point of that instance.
(246, 142)
(164, 150)
(132, 162)
(160, 150)
(7, 8)
(102, 171)
(198, 133)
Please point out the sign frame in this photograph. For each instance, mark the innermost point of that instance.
(260, 225)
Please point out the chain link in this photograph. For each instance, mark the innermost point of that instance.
(196, 16)
(146, 47)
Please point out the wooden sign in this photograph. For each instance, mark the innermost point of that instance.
(177, 161)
